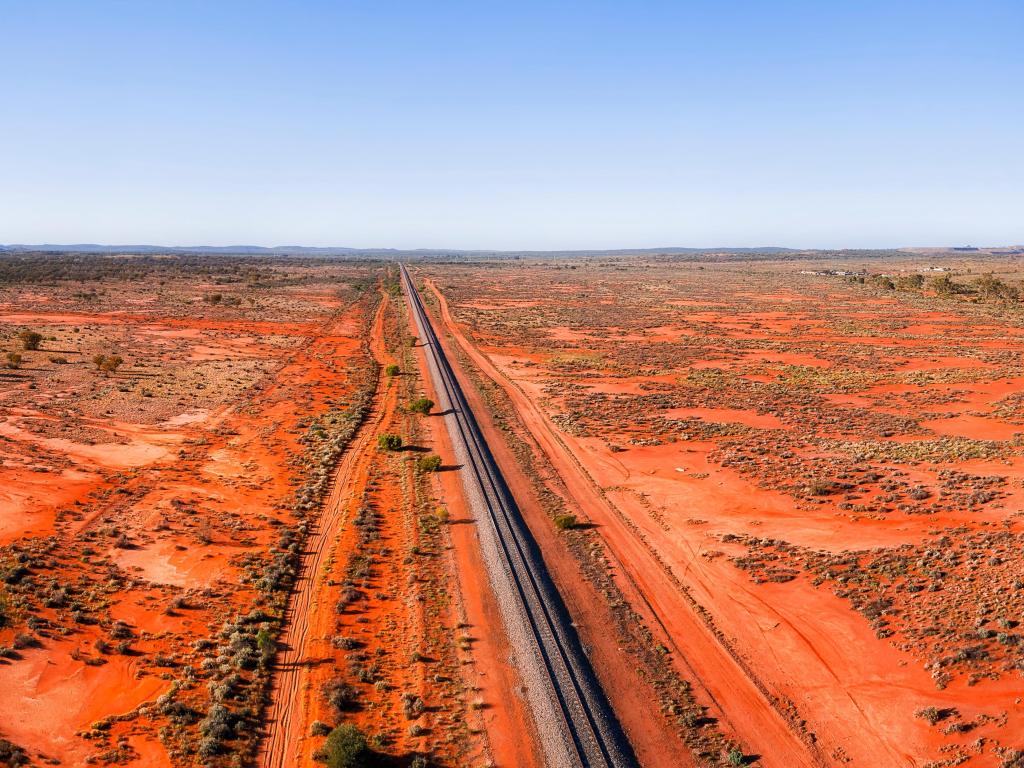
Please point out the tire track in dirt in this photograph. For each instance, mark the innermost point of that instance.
(743, 699)
(284, 719)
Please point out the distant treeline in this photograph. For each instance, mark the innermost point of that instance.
(46, 267)
(985, 287)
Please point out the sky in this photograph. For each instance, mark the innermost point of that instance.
(512, 125)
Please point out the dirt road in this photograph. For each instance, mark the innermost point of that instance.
(281, 746)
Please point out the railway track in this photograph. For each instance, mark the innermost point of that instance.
(574, 720)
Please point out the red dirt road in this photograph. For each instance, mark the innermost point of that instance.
(282, 745)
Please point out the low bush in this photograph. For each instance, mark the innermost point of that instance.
(429, 463)
(565, 522)
(30, 339)
(345, 748)
(421, 405)
(389, 442)
(342, 696)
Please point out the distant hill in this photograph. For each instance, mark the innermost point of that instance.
(302, 250)
(674, 253)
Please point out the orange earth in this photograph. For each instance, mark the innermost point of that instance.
(176, 530)
(797, 509)
(811, 486)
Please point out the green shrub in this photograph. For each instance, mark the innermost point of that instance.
(429, 463)
(389, 442)
(345, 748)
(421, 405)
(14, 360)
(910, 282)
(392, 370)
(319, 728)
(881, 281)
(565, 522)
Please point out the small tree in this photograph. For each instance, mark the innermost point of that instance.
(392, 370)
(421, 405)
(345, 748)
(30, 339)
(14, 360)
(389, 442)
(98, 360)
(429, 463)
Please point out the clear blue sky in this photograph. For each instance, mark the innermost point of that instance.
(512, 125)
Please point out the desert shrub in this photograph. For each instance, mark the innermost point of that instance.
(735, 757)
(111, 363)
(389, 442)
(216, 727)
(340, 695)
(429, 463)
(881, 281)
(421, 405)
(392, 370)
(943, 285)
(12, 754)
(24, 640)
(319, 728)
(213, 298)
(412, 706)
(14, 360)
(933, 714)
(30, 339)
(990, 287)
(348, 595)
(910, 282)
(266, 645)
(98, 361)
(58, 359)
(345, 748)
(565, 522)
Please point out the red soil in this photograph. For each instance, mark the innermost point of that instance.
(655, 745)
(775, 659)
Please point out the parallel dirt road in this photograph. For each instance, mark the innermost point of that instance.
(281, 745)
(574, 721)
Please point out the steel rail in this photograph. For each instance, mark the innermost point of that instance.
(596, 739)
